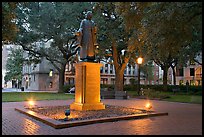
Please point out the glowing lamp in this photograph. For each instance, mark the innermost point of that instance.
(139, 60)
(148, 106)
(31, 103)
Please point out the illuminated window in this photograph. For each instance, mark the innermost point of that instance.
(181, 82)
(192, 82)
(192, 62)
(50, 85)
(51, 72)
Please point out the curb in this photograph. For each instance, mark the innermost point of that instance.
(58, 125)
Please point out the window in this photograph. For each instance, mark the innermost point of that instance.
(51, 72)
(192, 82)
(180, 72)
(104, 81)
(71, 80)
(125, 81)
(111, 69)
(106, 68)
(192, 71)
(198, 82)
(192, 62)
(66, 79)
(50, 85)
(34, 77)
(129, 72)
(181, 82)
(29, 81)
(101, 70)
(112, 81)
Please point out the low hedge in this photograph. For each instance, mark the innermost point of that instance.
(196, 90)
(66, 88)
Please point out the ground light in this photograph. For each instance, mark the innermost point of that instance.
(148, 106)
(31, 103)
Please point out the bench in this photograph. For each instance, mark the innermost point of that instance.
(121, 95)
(175, 90)
(105, 94)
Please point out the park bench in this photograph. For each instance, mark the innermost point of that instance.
(107, 94)
(175, 90)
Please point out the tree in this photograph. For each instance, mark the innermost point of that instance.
(14, 65)
(117, 42)
(169, 30)
(54, 22)
(147, 70)
(170, 35)
(9, 28)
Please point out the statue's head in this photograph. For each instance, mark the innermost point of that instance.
(89, 15)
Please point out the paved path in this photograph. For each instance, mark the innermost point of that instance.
(25, 90)
(183, 119)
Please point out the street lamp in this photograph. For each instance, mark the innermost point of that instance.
(139, 62)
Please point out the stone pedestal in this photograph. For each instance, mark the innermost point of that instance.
(87, 87)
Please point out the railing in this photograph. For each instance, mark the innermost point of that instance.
(199, 75)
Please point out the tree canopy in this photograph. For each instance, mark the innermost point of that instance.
(14, 65)
(9, 28)
(46, 29)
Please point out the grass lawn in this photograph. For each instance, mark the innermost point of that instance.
(24, 96)
(185, 99)
(179, 97)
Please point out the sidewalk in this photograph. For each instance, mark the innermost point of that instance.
(183, 119)
(25, 90)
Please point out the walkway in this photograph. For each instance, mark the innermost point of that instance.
(183, 119)
(25, 90)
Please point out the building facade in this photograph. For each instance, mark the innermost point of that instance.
(37, 77)
(42, 76)
(192, 73)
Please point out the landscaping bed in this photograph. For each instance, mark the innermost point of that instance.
(58, 112)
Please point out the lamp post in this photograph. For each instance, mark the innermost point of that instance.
(139, 62)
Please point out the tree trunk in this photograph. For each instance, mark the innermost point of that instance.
(165, 69)
(61, 77)
(119, 81)
(174, 75)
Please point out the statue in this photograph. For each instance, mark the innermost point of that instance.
(86, 39)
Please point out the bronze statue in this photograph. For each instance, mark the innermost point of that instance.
(86, 38)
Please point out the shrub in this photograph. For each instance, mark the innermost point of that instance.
(151, 93)
(109, 87)
(66, 88)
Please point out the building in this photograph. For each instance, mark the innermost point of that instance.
(42, 76)
(157, 73)
(192, 72)
(36, 77)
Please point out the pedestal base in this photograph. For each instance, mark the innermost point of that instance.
(81, 107)
(87, 87)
